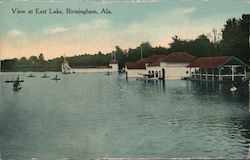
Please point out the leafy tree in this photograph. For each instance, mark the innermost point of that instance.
(33, 59)
(235, 37)
(41, 57)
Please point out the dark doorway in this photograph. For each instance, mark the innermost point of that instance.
(163, 73)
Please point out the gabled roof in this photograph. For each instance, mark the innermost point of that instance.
(140, 64)
(213, 62)
(156, 63)
(135, 65)
(179, 57)
(151, 59)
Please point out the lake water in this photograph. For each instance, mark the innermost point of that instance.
(88, 116)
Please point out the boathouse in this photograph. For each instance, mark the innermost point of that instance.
(224, 68)
(134, 69)
(138, 69)
(171, 66)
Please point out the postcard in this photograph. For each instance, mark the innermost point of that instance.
(124, 79)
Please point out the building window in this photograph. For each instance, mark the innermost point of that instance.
(149, 72)
(156, 74)
(153, 73)
(187, 72)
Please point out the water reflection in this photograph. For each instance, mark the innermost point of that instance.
(107, 116)
(231, 111)
(199, 89)
(222, 90)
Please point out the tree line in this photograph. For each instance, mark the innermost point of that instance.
(233, 41)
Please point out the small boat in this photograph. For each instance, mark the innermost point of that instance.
(233, 89)
(16, 86)
(56, 78)
(107, 73)
(45, 76)
(31, 75)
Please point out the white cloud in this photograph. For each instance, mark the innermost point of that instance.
(15, 32)
(182, 11)
(101, 23)
(56, 30)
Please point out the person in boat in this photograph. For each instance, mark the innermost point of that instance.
(16, 85)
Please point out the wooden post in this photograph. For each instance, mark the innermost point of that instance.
(213, 74)
(245, 73)
(232, 68)
(190, 73)
(195, 73)
(206, 74)
(219, 75)
(200, 73)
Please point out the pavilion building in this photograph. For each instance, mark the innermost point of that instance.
(223, 68)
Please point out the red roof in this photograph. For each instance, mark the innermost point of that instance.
(155, 60)
(113, 61)
(174, 57)
(151, 59)
(210, 62)
(135, 65)
(142, 60)
(179, 57)
(156, 63)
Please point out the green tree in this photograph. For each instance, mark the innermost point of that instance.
(33, 59)
(41, 57)
(235, 37)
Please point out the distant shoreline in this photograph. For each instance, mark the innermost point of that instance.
(30, 69)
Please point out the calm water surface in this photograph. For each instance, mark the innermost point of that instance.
(86, 116)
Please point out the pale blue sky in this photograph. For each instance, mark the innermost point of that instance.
(127, 26)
